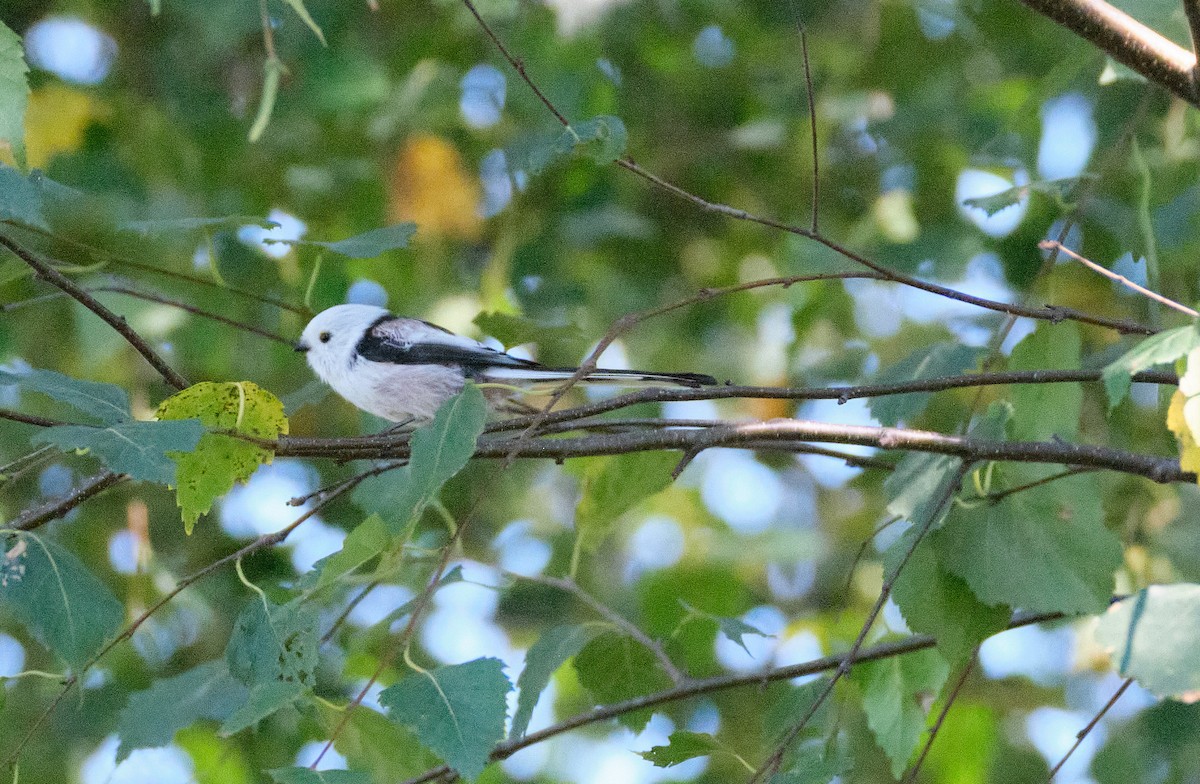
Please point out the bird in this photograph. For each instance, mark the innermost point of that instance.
(403, 369)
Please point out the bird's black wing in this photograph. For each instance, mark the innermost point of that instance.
(407, 342)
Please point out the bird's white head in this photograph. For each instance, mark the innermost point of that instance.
(330, 338)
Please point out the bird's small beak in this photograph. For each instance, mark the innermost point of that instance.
(301, 347)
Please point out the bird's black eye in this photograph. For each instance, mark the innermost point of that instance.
(325, 336)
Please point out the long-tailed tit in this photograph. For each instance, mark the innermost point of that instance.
(403, 369)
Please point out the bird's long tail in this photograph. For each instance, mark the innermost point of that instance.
(625, 378)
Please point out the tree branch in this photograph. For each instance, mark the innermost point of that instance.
(48, 273)
(773, 434)
(1128, 41)
(51, 510)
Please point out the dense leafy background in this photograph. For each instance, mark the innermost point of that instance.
(407, 114)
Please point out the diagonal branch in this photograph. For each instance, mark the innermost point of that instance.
(1129, 42)
(48, 273)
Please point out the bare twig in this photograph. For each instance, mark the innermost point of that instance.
(1091, 725)
(51, 510)
(28, 419)
(196, 311)
(1058, 247)
(1127, 41)
(941, 719)
(812, 122)
(47, 272)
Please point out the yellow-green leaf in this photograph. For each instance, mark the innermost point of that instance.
(220, 459)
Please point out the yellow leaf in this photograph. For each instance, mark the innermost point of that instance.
(431, 187)
(219, 460)
(1189, 450)
(56, 120)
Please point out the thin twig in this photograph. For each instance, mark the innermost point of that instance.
(631, 629)
(29, 419)
(48, 273)
(1091, 725)
(51, 510)
(941, 719)
(1054, 245)
(196, 311)
(812, 122)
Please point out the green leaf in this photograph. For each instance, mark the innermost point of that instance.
(381, 748)
(794, 703)
(439, 451)
(551, 651)
(31, 201)
(733, 628)
(602, 138)
(1045, 411)
(1154, 637)
(611, 486)
(210, 469)
(310, 394)
(62, 604)
(14, 91)
(818, 761)
(369, 244)
(152, 717)
(1058, 190)
(934, 601)
(1044, 549)
(107, 403)
(139, 449)
(512, 330)
(306, 776)
(918, 483)
(272, 642)
(190, 225)
(940, 359)
(892, 696)
(457, 711)
(1155, 350)
(302, 12)
(368, 539)
(681, 747)
(614, 668)
(264, 700)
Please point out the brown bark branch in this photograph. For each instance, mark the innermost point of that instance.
(773, 434)
(1127, 41)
